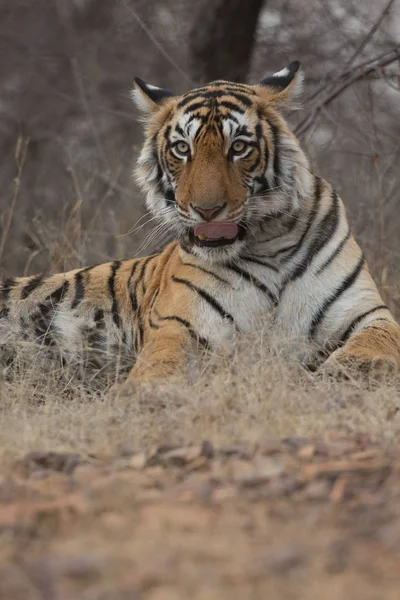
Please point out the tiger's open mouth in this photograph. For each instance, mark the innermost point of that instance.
(219, 233)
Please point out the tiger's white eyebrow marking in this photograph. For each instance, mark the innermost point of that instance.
(231, 127)
(189, 125)
(188, 128)
(193, 127)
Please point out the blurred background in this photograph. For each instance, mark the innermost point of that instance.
(69, 134)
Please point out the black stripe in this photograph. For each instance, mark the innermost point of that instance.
(233, 84)
(201, 129)
(193, 334)
(256, 282)
(334, 253)
(259, 137)
(194, 106)
(277, 161)
(231, 106)
(228, 86)
(111, 286)
(324, 233)
(357, 320)
(99, 318)
(206, 296)
(267, 186)
(345, 285)
(170, 198)
(221, 279)
(132, 292)
(166, 135)
(79, 289)
(386, 333)
(190, 97)
(259, 132)
(6, 287)
(232, 118)
(55, 297)
(139, 335)
(311, 218)
(42, 319)
(263, 263)
(33, 283)
(4, 313)
(152, 324)
(239, 97)
(189, 120)
(243, 131)
(217, 95)
(254, 166)
(264, 185)
(142, 275)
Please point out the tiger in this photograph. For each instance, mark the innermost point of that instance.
(255, 231)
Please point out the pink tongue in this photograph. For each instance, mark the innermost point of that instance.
(217, 230)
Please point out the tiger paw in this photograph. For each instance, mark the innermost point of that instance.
(345, 365)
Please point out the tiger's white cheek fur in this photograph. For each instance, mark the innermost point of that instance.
(155, 202)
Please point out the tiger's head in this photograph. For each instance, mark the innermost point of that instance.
(219, 162)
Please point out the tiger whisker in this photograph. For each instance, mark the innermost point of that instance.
(138, 226)
(156, 235)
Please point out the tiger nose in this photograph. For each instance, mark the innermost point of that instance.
(208, 213)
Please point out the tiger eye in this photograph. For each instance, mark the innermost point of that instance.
(182, 147)
(239, 146)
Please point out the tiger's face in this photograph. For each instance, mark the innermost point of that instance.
(219, 161)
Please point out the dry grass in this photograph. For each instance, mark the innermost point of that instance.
(248, 392)
(118, 515)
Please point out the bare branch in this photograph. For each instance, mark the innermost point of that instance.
(358, 50)
(371, 33)
(341, 83)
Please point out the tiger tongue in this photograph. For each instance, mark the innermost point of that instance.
(217, 230)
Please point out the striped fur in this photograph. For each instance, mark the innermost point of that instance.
(295, 255)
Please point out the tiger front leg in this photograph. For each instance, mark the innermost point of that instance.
(164, 355)
(375, 350)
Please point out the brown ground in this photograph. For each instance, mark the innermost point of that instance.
(295, 493)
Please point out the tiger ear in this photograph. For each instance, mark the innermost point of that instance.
(148, 98)
(284, 87)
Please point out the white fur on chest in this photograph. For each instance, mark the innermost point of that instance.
(242, 300)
